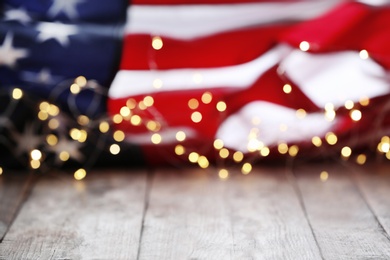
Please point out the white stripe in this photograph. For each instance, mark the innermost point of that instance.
(136, 82)
(335, 77)
(190, 21)
(168, 135)
(235, 130)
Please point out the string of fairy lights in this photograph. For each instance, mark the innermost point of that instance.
(63, 133)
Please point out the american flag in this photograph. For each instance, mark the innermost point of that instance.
(216, 78)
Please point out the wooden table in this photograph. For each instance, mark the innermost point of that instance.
(275, 212)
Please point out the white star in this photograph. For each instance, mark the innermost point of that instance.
(69, 146)
(57, 31)
(17, 15)
(42, 77)
(9, 54)
(28, 140)
(67, 7)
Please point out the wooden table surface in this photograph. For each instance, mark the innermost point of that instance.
(275, 212)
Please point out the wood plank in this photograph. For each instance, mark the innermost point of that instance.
(97, 218)
(343, 224)
(374, 182)
(194, 215)
(14, 188)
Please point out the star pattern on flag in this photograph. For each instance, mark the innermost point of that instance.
(8, 54)
(69, 146)
(28, 140)
(57, 31)
(67, 7)
(19, 15)
(44, 76)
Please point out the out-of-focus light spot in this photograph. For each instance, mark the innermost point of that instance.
(117, 119)
(224, 153)
(196, 117)
(51, 139)
(36, 154)
(35, 164)
(104, 127)
(304, 46)
(1, 170)
(356, 115)
(156, 138)
(157, 43)
(361, 159)
(64, 156)
(193, 103)
(148, 101)
(44, 106)
(75, 89)
(265, 151)
(42, 115)
(287, 88)
(364, 101)
(152, 126)
(254, 145)
(119, 136)
(125, 111)
(83, 120)
(218, 144)
(81, 81)
(179, 149)
(364, 54)
(223, 174)
(301, 113)
(246, 168)
(238, 156)
(53, 110)
(142, 105)
(324, 175)
(207, 97)
(282, 148)
(157, 83)
(293, 150)
(316, 141)
(193, 157)
(115, 149)
(221, 106)
(346, 151)
(75, 134)
(83, 136)
(80, 174)
(180, 136)
(135, 120)
(17, 93)
(131, 103)
(203, 162)
(331, 138)
(349, 104)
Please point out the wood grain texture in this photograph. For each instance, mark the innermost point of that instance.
(194, 215)
(374, 182)
(343, 223)
(14, 188)
(99, 218)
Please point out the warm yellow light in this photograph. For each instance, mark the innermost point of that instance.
(1, 170)
(83, 136)
(156, 138)
(316, 141)
(64, 156)
(246, 168)
(221, 106)
(51, 139)
(193, 157)
(157, 83)
(301, 113)
(148, 101)
(119, 136)
(223, 174)
(238, 156)
(331, 138)
(35, 164)
(193, 103)
(207, 97)
(355, 114)
(83, 120)
(265, 151)
(75, 134)
(115, 149)
(81, 81)
(287, 88)
(153, 126)
(53, 123)
(196, 117)
(104, 127)
(142, 105)
(361, 159)
(364, 101)
(135, 120)
(80, 174)
(131, 103)
(203, 162)
(180, 136)
(224, 153)
(17, 93)
(282, 148)
(364, 54)
(36, 154)
(349, 104)
(218, 144)
(293, 150)
(42, 115)
(53, 110)
(346, 151)
(254, 145)
(44, 106)
(117, 119)
(157, 43)
(304, 46)
(324, 175)
(179, 149)
(75, 89)
(125, 111)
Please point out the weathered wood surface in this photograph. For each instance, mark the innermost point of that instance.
(14, 188)
(194, 215)
(272, 213)
(342, 221)
(99, 218)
